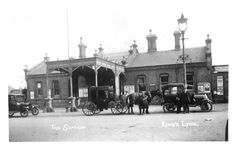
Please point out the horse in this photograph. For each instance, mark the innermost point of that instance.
(141, 99)
(143, 103)
(130, 99)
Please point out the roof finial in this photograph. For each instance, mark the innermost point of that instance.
(95, 54)
(81, 40)
(150, 31)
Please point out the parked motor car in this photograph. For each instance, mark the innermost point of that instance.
(169, 93)
(18, 103)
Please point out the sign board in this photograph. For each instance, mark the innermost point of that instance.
(220, 88)
(83, 92)
(31, 94)
(221, 69)
(204, 87)
(129, 89)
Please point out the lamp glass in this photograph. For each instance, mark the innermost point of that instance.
(183, 27)
(182, 22)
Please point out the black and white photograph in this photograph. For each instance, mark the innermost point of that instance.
(118, 70)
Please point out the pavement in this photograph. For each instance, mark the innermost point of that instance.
(156, 126)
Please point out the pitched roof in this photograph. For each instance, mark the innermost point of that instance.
(38, 69)
(167, 57)
(116, 57)
(157, 58)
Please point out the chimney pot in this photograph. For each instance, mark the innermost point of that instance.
(151, 38)
(177, 36)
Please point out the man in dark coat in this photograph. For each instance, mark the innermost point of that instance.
(178, 99)
(130, 103)
(185, 102)
(182, 100)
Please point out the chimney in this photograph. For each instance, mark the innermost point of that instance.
(151, 38)
(82, 48)
(177, 40)
(208, 52)
(131, 50)
(46, 58)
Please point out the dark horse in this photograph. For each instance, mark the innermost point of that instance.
(142, 100)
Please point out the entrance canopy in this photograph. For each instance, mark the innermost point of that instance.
(105, 71)
(93, 62)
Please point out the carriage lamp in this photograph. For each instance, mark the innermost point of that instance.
(182, 23)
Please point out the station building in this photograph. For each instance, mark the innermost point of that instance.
(128, 71)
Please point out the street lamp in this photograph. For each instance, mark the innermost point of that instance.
(182, 23)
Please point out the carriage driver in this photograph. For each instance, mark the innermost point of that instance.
(130, 102)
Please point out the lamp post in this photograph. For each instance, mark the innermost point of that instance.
(182, 24)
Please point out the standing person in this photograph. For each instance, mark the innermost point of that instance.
(130, 103)
(178, 99)
(185, 102)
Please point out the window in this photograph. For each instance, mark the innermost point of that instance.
(164, 79)
(55, 88)
(174, 90)
(220, 85)
(83, 92)
(39, 88)
(141, 83)
(190, 78)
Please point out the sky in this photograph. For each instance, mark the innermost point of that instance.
(30, 29)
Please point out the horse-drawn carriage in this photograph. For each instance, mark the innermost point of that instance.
(102, 98)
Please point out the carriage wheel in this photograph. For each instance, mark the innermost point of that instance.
(97, 111)
(117, 109)
(124, 108)
(168, 107)
(111, 104)
(206, 106)
(89, 108)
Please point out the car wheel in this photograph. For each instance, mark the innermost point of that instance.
(24, 113)
(168, 107)
(11, 114)
(35, 111)
(206, 106)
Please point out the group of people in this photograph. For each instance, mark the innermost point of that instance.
(143, 100)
